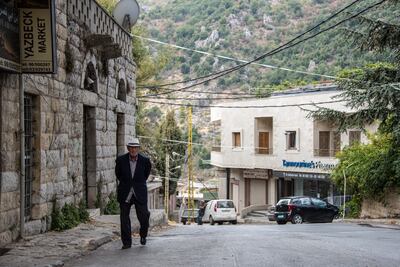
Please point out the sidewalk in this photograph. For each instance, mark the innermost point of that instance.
(382, 223)
(52, 249)
(379, 223)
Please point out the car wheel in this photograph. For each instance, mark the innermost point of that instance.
(212, 222)
(297, 219)
(184, 222)
(331, 219)
(281, 222)
(220, 223)
(234, 222)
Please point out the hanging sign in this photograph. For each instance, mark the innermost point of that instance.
(37, 39)
(9, 40)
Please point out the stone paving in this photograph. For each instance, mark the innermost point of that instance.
(52, 249)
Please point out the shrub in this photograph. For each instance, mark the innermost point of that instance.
(57, 220)
(68, 217)
(112, 206)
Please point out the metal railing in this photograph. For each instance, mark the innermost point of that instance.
(264, 150)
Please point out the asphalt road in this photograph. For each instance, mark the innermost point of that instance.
(256, 245)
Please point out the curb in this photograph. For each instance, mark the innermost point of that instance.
(96, 243)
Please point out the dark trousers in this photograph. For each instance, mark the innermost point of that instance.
(143, 215)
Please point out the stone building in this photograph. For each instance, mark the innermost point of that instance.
(76, 121)
(271, 149)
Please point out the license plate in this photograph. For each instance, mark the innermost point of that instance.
(225, 211)
(281, 216)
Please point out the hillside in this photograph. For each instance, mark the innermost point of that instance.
(247, 29)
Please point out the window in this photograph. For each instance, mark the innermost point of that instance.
(290, 140)
(354, 137)
(324, 141)
(225, 204)
(329, 143)
(236, 142)
(336, 143)
(319, 203)
(306, 201)
(121, 90)
(90, 82)
(263, 142)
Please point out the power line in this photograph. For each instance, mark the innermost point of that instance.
(275, 51)
(278, 49)
(231, 59)
(214, 98)
(220, 93)
(256, 106)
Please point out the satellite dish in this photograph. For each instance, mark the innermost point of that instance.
(126, 13)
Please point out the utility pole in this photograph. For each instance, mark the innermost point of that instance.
(190, 172)
(166, 186)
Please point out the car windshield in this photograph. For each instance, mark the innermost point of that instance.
(225, 204)
(283, 201)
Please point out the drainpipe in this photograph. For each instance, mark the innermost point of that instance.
(22, 159)
(228, 182)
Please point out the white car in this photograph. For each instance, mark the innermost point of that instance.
(220, 211)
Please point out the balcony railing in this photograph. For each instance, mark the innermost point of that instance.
(264, 150)
(325, 152)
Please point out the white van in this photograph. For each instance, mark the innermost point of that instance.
(220, 211)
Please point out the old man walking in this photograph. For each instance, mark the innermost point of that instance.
(132, 170)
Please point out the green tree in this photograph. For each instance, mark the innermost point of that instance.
(169, 130)
(372, 93)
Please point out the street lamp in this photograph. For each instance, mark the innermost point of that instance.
(344, 189)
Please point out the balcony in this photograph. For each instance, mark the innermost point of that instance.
(264, 150)
(263, 135)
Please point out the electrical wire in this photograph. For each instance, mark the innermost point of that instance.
(275, 51)
(215, 98)
(268, 53)
(231, 59)
(255, 106)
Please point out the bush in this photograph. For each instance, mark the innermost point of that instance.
(112, 207)
(68, 217)
(57, 220)
(83, 213)
(353, 208)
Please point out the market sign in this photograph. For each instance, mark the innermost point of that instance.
(9, 48)
(255, 174)
(301, 175)
(37, 39)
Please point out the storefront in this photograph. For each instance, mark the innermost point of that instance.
(303, 184)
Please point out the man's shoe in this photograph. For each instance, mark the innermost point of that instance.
(126, 246)
(143, 241)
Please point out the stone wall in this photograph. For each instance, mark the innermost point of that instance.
(388, 208)
(88, 83)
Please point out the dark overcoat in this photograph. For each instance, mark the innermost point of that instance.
(125, 181)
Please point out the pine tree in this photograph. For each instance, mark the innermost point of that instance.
(373, 95)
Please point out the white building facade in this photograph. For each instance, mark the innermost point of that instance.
(266, 149)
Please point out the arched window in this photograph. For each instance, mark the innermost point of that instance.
(121, 90)
(90, 78)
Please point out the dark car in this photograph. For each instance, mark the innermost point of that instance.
(192, 213)
(304, 209)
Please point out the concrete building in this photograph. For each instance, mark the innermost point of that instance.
(76, 121)
(264, 153)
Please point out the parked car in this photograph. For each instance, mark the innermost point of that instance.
(188, 212)
(220, 211)
(304, 209)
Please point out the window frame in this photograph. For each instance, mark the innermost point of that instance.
(296, 146)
